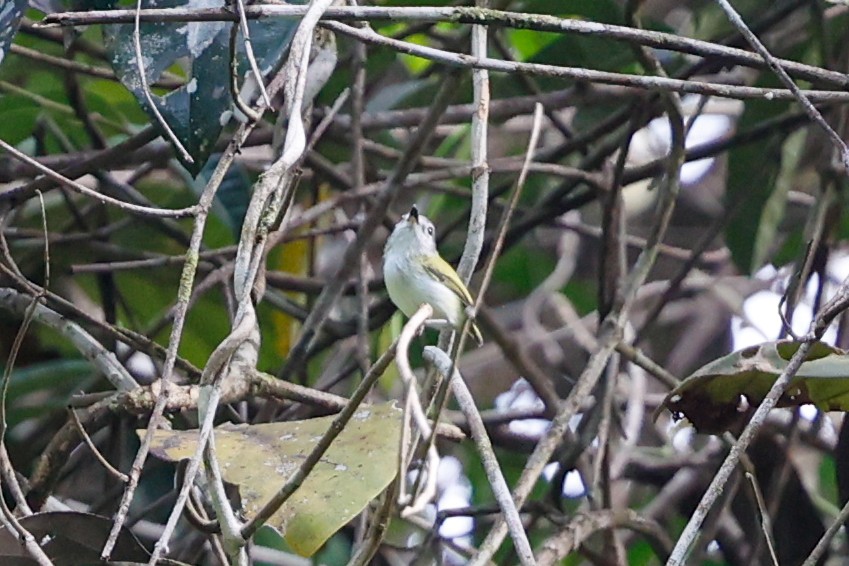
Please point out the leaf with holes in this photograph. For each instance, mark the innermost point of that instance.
(723, 394)
(259, 459)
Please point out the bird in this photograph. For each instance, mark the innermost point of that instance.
(416, 274)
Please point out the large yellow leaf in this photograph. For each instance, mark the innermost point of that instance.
(359, 465)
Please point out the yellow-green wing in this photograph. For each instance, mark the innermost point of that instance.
(442, 271)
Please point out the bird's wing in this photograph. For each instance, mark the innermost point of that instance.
(440, 270)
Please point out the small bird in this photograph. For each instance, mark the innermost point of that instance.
(416, 274)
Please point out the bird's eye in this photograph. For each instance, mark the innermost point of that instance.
(430, 230)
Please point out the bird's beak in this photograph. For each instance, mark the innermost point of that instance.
(414, 214)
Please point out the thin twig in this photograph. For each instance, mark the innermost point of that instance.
(358, 177)
(458, 14)
(8, 519)
(580, 527)
(83, 68)
(338, 424)
(645, 82)
(501, 231)
(499, 486)
(249, 52)
(240, 104)
(377, 529)
(636, 356)
(122, 477)
(543, 387)
(325, 301)
(6, 468)
(766, 524)
(266, 385)
(82, 189)
(146, 89)
(822, 544)
(777, 67)
(10, 479)
(78, 167)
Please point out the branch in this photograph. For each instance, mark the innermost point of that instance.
(778, 68)
(82, 189)
(16, 196)
(146, 89)
(104, 360)
(321, 309)
(462, 15)
(480, 164)
(583, 525)
(581, 74)
(444, 365)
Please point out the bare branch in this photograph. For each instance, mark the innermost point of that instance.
(444, 365)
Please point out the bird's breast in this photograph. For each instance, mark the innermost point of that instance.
(410, 285)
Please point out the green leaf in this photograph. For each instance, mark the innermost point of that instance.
(18, 116)
(394, 95)
(776, 203)
(198, 110)
(752, 171)
(359, 465)
(723, 394)
(62, 374)
(572, 49)
(41, 388)
(233, 195)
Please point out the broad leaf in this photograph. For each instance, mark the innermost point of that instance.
(723, 394)
(776, 203)
(233, 195)
(259, 459)
(18, 117)
(752, 173)
(196, 111)
(40, 390)
(11, 12)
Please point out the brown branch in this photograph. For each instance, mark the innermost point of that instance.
(463, 15)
